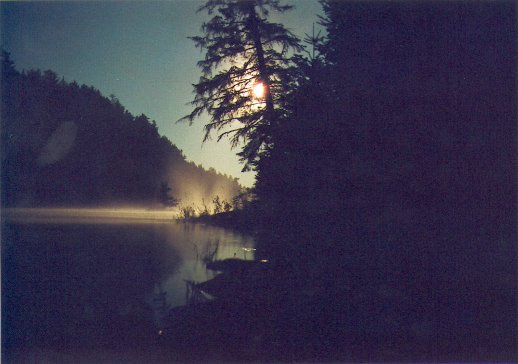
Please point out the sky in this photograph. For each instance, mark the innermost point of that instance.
(138, 51)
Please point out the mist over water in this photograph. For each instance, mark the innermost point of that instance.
(102, 215)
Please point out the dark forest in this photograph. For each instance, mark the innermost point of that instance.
(67, 145)
(386, 185)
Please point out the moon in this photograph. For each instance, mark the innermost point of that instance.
(258, 90)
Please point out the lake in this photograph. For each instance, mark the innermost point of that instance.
(94, 287)
(97, 283)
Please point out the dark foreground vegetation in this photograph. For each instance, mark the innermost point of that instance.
(65, 144)
(386, 190)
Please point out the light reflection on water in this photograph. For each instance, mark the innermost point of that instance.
(103, 267)
(195, 244)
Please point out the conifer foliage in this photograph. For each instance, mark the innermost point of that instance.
(246, 72)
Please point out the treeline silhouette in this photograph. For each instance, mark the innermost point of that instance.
(402, 128)
(389, 190)
(65, 144)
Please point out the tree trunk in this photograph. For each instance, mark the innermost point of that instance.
(253, 28)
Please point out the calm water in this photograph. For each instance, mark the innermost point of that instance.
(80, 284)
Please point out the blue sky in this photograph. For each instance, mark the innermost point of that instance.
(138, 51)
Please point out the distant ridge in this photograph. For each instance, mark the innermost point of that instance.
(65, 144)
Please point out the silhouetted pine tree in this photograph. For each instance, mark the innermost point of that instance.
(165, 196)
(243, 51)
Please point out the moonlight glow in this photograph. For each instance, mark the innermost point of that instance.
(258, 90)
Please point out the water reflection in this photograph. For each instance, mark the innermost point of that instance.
(84, 284)
(197, 245)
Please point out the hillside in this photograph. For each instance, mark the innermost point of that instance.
(65, 144)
